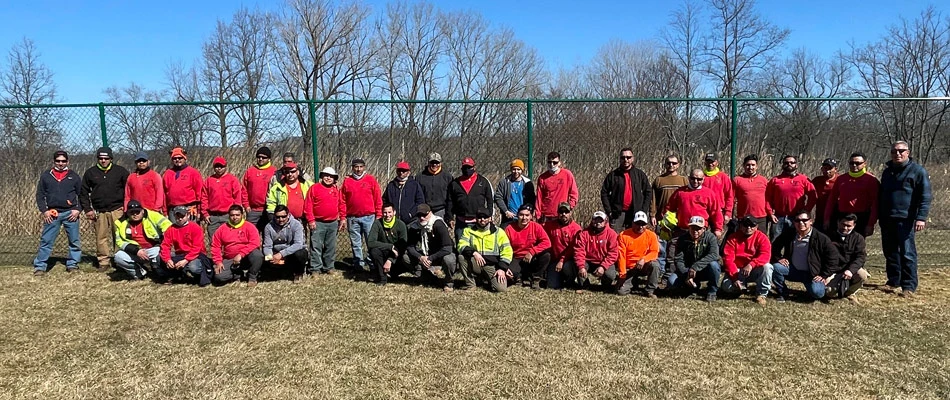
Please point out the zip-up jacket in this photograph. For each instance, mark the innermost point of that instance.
(277, 194)
(853, 195)
(435, 188)
(562, 238)
(687, 203)
(742, 250)
(147, 188)
(185, 189)
(154, 226)
(614, 186)
(53, 194)
(405, 199)
(503, 193)
(633, 247)
(229, 241)
(530, 240)
(905, 191)
(553, 189)
(438, 242)
(598, 248)
(463, 205)
(324, 204)
(256, 182)
(492, 243)
(362, 196)
(286, 240)
(218, 194)
(103, 191)
(853, 251)
(396, 237)
(696, 255)
(823, 256)
(188, 241)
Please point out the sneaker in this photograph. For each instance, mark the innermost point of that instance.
(890, 289)
(760, 299)
(779, 299)
(909, 294)
(853, 300)
(39, 273)
(298, 278)
(251, 284)
(710, 297)
(448, 289)
(650, 295)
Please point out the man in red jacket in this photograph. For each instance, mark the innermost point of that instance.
(531, 247)
(235, 247)
(562, 232)
(746, 258)
(183, 250)
(145, 185)
(854, 193)
(719, 182)
(325, 213)
(696, 200)
(595, 253)
(256, 182)
(823, 184)
(556, 185)
(364, 205)
(220, 191)
(183, 184)
(787, 194)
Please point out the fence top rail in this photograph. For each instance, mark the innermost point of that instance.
(459, 101)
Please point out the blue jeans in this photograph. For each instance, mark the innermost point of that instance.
(126, 263)
(779, 227)
(358, 228)
(762, 276)
(781, 274)
(662, 258)
(900, 252)
(710, 275)
(48, 237)
(323, 246)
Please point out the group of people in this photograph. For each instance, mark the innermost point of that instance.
(682, 232)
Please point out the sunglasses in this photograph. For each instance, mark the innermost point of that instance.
(801, 220)
(626, 157)
(281, 216)
(695, 179)
(789, 162)
(899, 151)
(263, 157)
(61, 161)
(552, 162)
(672, 163)
(856, 163)
(104, 158)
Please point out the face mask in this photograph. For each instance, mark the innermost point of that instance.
(402, 179)
(468, 172)
(554, 169)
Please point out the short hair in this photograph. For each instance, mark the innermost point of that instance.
(387, 204)
(236, 207)
(626, 149)
(290, 154)
(281, 207)
(901, 142)
(672, 156)
(800, 212)
(848, 217)
(787, 156)
(552, 155)
(750, 157)
(858, 154)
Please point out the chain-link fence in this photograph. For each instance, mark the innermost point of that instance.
(587, 133)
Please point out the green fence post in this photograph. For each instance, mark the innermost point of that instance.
(735, 128)
(313, 137)
(102, 125)
(530, 160)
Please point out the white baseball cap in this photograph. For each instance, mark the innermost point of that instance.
(641, 216)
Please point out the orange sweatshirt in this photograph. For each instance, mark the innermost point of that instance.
(635, 247)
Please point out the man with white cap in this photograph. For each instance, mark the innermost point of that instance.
(221, 190)
(638, 249)
(145, 185)
(404, 193)
(325, 213)
(696, 260)
(102, 196)
(595, 253)
(435, 184)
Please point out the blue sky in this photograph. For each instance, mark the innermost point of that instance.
(92, 45)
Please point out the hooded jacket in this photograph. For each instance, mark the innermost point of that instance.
(286, 240)
(600, 248)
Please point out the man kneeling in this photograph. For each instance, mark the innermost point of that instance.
(235, 247)
(639, 249)
(697, 259)
(430, 248)
(486, 252)
(853, 252)
(387, 243)
(804, 255)
(746, 258)
(138, 235)
(186, 239)
(285, 243)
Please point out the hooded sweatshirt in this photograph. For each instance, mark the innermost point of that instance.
(600, 248)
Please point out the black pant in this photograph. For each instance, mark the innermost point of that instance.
(379, 256)
(536, 269)
(294, 263)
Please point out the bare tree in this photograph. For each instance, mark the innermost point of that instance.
(132, 128)
(218, 78)
(250, 47)
(683, 39)
(27, 81)
(184, 125)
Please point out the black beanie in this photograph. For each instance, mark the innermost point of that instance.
(264, 150)
(104, 152)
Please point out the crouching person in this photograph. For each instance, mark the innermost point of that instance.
(183, 250)
(853, 251)
(284, 243)
(638, 251)
(138, 235)
(430, 248)
(486, 252)
(530, 245)
(235, 247)
(595, 253)
(746, 258)
(804, 255)
(387, 243)
(696, 260)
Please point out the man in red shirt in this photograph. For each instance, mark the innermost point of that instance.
(750, 193)
(788, 193)
(562, 232)
(256, 182)
(145, 185)
(823, 184)
(220, 191)
(696, 200)
(183, 250)
(556, 185)
(236, 247)
(719, 182)
(595, 253)
(531, 247)
(854, 193)
(364, 205)
(183, 183)
(746, 259)
(325, 213)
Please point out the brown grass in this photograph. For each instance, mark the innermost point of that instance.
(86, 336)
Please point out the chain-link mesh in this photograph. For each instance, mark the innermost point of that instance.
(587, 134)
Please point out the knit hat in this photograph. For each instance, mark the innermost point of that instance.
(104, 152)
(61, 153)
(517, 163)
(264, 151)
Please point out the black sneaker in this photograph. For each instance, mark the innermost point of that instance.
(710, 297)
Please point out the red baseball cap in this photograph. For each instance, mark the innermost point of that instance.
(468, 161)
(290, 165)
(219, 161)
(402, 165)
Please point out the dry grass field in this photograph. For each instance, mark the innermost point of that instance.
(87, 336)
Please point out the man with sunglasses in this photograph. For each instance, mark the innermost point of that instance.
(556, 185)
(626, 190)
(854, 193)
(102, 197)
(256, 182)
(788, 193)
(720, 183)
(664, 186)
(806, 256)
(563, 233)
(183, 184)
(138, 235)
(746, 259)
(57, 198)
(531, 246)
(903, 205)
(290, 191)
(435, 182)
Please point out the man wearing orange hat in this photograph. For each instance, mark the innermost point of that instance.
(220, 191)
(183, 183)
(514, 191)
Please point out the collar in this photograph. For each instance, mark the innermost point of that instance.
(265, 166)
(807, 235)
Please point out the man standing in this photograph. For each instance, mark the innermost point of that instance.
(514, 191)
(664, 186)
(220, 191)
(852, 248)
(903, 204)
(183, 183)
(530, 245)
(435, 184)
(696, 200)
(855, 193)
(102, 197)
(563, 233)
(145, 185)
(787, 194)
(823, 184)
(638, 252)
(256, 182)
(302, 176)
(57, 198)
(468, 193)
(697, 260)
(720, 183)
(404, 193)
(236, 247)
(595, 253)
(285, 244)
(387, 242)
(486, 251)
(750, 192)
(289, 191)
(626, 190)
(746, 258)
(555, 186)
(138, 235)
(325, 213)
(187, 241)
(806, 256)
(364, 205)
(431, 247)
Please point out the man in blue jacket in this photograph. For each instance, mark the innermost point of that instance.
(903, 205)
(404, 193)
(57, 198)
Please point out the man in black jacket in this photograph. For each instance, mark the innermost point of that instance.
(102, 197)
(435, 184)
(803, 255)
(625, 191)
(467, 194)
(851, 275)
(57, 198)
(430, 247)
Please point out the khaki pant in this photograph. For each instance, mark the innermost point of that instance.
(105, 236)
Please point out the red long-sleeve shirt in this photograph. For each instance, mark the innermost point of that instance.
(183, 189)
(229, 241)
(562, 239)
(362, 196)
(324, 204)
(532, 239)
(823, 187)
(256, 181)
(750, 196)
(853, 195)
(788, 195)
(598, 248)
(147, 188)
(218, 194)
(721, 184)
(742, 250)
(188, 240)
(687, 202)
(554, 189)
